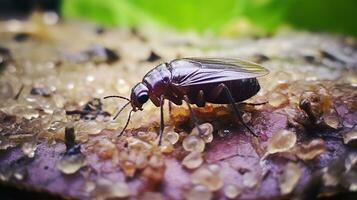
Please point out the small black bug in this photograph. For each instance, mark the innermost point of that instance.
(197, 81)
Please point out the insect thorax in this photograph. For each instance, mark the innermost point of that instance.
(158, 79)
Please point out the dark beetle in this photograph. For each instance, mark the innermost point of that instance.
(197, 81)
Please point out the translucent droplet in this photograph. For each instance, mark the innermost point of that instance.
(82, 137)
(351, 78)
(289, 178)
(330, 179)
(172, 137)
(192, 160)
(25, 112)
(154, 174)
(311, 150)
(331, 118)
(347, 124)
(5, 143)
(105, 148)
(231, 191)
(208, 176)
(332, 121)
(112, 125)
(57, 127)
(29, 148)
(277, 99)
(198, 192)
(6, 90)
(281, 141)
(282, 77)
(353, 186)
(250, 179)
(157, 161)
(351, 161)
(214, 168)
(193, 143)
(350, 138)
(122, 86)
(89, 127)
(166, 147)
(50, 18)
(107, 189)
(69, 164)
(128, 168)
(223, 132)
(207, 132)
(59, 116)
(246, 117)
(19, 175)
(147, 136)
(135, 143)
(141, 159)
(89, 186)
(90, 78)
(59, 100)
(6, 173)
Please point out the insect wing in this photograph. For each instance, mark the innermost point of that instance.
(196, 71)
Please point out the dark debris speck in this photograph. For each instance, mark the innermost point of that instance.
(42, 91)
(310, 59)
(153, 57)
(100, 54)
(21, 37)
(69, 138)
(260, 58)
(99, 30)
(5, 57)
(337, 56)
(90, 110)
(4, 51)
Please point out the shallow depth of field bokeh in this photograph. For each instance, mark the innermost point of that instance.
(227, 16)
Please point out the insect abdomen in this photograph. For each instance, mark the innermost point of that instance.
(241, 90)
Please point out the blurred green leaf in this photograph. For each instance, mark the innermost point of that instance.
(109, 12)
(324, 15)
(213, 15)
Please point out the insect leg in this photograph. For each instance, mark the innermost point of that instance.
(192, 114)
(214, 94)
(161, 118)
(201, 99)
(237, 112)
(155, 99)
(176, 98)
(253, 104)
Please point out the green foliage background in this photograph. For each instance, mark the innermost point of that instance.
(338, 16)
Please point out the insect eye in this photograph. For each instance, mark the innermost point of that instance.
(143, 98)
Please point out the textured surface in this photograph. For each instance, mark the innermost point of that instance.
(52, 73)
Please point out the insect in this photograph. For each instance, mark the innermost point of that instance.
(196, 81)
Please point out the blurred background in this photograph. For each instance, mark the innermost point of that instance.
(228, 17)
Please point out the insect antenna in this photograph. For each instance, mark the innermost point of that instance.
(116, 96)
(120, 97)
(126, 124)
(121, 109)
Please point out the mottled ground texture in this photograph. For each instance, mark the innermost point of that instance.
(58, 139)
